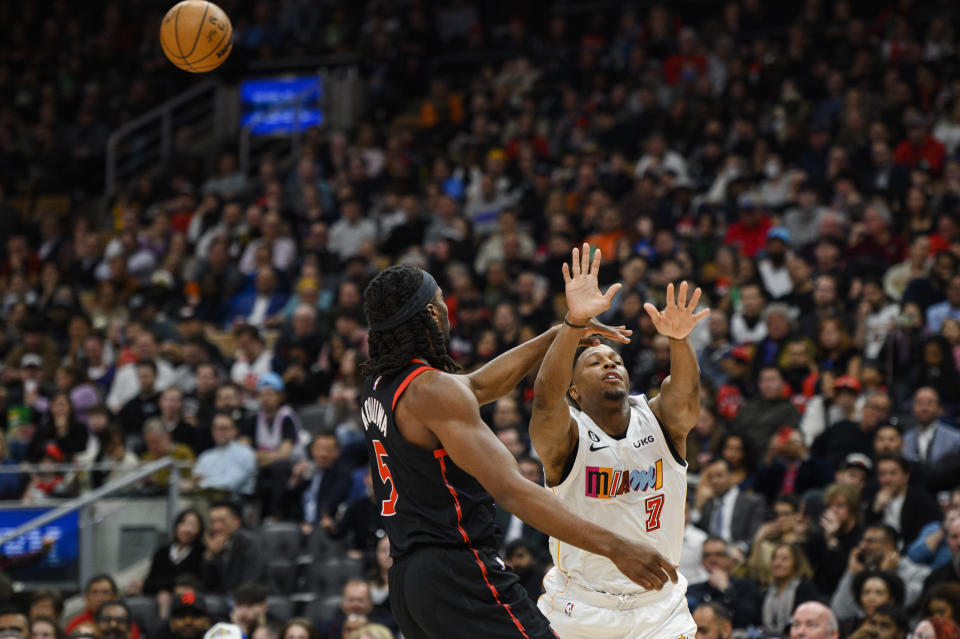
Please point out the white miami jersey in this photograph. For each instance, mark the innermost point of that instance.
(635, 486)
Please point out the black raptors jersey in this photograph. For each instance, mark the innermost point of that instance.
(423, 497)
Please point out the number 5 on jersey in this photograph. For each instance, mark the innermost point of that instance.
(389, 506)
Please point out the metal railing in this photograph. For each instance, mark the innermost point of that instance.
(84, 501)
(148, 139)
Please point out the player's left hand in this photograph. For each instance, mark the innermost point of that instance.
(597, 329)
(677, 319)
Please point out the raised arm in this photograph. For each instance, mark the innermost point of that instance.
(448, 410)
(553, 432)
(501, 375)
(678, 404)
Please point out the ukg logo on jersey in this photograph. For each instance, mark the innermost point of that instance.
(607, 483)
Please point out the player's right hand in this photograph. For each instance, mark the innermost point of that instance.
(644, 566)
(584, 299)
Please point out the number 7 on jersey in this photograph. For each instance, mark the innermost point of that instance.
(389, 506)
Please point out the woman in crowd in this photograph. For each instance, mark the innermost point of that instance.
(872, 589)
(61, 428)
(183, 555)
(299, 628)
(377, 578)
(789, 586)
(943, 600)
(936, 628)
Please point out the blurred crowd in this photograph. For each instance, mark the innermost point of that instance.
(800, 161)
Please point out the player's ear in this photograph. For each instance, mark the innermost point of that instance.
(434, 312)
(573, 393)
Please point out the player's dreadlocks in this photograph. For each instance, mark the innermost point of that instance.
(392, 349)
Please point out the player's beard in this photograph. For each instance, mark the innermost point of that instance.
(619, 393)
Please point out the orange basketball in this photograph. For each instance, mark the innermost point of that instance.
(196, 35)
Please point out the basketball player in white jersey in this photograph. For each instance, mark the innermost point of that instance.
(616, 460)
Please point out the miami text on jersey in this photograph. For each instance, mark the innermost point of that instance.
(607, 483)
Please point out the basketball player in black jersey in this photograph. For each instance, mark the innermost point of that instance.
(435, 466)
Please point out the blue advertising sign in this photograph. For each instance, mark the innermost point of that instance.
(61, 564)
(269, 105)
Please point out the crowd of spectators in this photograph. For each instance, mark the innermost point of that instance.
(800, 161)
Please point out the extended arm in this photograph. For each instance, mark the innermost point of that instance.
(678, 404)
(501, 375)
(448, 410)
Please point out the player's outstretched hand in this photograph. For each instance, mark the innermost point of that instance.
(677, 319)
(645, 566)
(584, 298)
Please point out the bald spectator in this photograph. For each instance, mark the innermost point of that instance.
(813, 620)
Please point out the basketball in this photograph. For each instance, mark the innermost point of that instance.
(196, 35)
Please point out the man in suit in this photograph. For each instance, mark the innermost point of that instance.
(742, 597)
(903, 507)
(515, 529)
(730, 514)
(232, 556)
(319, 486)
(931, 439)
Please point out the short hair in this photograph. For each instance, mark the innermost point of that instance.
(148, 363)
(353, 581)
(719, 610)
(249, 593)
(249, 331)
(893, 537)
(114, 603)
(233, 507)
(57, 631)
(98, 578)
(894, 584)
(895, 457)
(896, 613)
(45, 594)
(223, 413)
(10, 609)
(154, 425)
(714, 539)
(791, 500)
(188, 580)
(325, 434)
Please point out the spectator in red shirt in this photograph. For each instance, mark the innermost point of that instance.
(687, 64)
(749, 233)
(100, 589)
(920, 149)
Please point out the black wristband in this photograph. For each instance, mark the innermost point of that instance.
(573, 325)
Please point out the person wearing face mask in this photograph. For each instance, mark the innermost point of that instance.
(772, 267)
